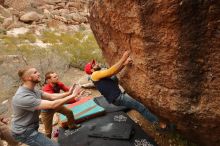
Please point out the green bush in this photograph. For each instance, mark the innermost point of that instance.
(81, 46)
(27, 37)
(2, 31)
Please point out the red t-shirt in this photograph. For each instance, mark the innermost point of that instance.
(49, 88)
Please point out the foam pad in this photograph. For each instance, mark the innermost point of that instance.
(82, 110)
(111, 130)
(82, 100)
(80, 136)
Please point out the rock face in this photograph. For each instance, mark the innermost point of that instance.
(176, 55)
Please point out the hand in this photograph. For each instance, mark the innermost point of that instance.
(77, 98)
(71, 89)
(76, 91)
(128, 61)
(126, 54)
(81, 93)
(5, 121)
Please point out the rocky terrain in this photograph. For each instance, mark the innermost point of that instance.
(52, 13)
(175, 49)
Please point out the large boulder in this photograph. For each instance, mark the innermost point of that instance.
(176, 55)
(30, 17)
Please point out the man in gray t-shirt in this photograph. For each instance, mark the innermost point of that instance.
(27, 103)
(24, 103)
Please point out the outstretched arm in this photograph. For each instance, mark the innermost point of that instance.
(55, 96)
(112, 70)
(45, 104)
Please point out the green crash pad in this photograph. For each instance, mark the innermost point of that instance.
(82, 110)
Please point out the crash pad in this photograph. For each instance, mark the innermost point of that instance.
(80, 136)
(82, 100)
(82, 110)
(111, 130)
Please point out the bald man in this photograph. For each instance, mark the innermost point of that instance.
(28, 101)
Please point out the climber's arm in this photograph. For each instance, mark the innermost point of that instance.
(97, 75)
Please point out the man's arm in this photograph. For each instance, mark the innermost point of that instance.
(55, 96)
(45, 104)
(112, 70)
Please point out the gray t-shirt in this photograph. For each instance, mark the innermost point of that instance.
(24, 114)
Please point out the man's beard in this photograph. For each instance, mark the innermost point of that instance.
(36, 81)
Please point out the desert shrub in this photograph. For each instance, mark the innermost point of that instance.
(81, 46)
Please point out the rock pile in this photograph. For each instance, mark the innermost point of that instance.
(52, 13)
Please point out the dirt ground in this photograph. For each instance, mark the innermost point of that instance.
(162, 139)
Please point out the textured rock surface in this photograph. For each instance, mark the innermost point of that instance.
(4, 12)
(1, 2)
(18, 4)
(30, 17)
(176, 52)
(28, 12)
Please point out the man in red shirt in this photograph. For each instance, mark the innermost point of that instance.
(53, 85)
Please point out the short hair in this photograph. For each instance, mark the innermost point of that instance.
(22, 71)
(47, 76)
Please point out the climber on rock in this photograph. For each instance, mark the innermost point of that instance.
(111, 91)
